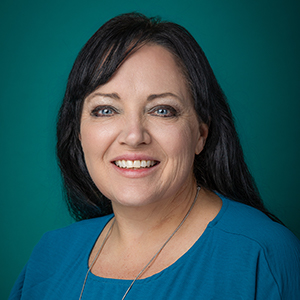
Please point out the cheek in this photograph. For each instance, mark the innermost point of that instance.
(88, 138)
(94, 140)
(179, 143)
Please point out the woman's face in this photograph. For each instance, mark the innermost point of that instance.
(139, 131)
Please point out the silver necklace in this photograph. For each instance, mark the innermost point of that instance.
(151, 260)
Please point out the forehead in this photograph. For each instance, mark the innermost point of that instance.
(151, 68)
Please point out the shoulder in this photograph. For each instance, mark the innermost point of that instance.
(57, 252)
(76, 233)
(274, 249)
(250, 223)
(74, 239)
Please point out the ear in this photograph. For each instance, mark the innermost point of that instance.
(203, 133)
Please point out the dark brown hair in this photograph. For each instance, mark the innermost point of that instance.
(219, 167)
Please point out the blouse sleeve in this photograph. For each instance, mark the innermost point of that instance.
(283, 264)
(16, 292)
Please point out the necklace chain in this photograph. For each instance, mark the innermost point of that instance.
(151, 260)
(96, 256)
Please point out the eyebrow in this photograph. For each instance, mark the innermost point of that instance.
(163, 95)
(110, 95)
(115, 96)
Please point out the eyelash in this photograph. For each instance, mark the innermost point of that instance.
(170, 111)
(96, 111)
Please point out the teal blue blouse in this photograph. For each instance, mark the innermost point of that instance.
(241, 255)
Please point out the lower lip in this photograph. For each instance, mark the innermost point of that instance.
(135, 173)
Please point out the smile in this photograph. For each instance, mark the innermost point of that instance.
(135, 164)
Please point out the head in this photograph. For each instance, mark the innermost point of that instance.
(98, 61)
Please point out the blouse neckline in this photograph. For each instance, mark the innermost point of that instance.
(173, 266)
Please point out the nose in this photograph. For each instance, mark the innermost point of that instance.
(134, 132)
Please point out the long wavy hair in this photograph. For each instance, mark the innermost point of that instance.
(219, 167)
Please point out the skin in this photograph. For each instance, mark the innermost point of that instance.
(145, 112)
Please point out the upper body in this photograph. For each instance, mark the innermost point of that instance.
(142, 125)
(242, 254)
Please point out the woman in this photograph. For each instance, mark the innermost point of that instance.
(155, 174)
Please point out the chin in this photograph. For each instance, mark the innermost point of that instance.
(134, 197)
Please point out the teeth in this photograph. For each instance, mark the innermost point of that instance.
(137, 164)
(134, 164)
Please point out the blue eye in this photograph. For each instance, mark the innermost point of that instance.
(164, 111)
(103, 111)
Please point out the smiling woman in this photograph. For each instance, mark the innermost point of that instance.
(155, 174)
(143, 114)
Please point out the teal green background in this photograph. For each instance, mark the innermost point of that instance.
(253, 47)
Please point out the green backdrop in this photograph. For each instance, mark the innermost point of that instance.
(253, 47)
